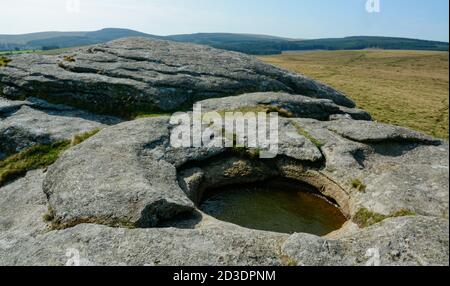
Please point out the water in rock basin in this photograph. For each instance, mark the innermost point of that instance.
(274, 208)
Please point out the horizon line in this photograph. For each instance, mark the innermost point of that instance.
(236, 33)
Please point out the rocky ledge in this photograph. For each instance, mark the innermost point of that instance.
(127, 197)
(137, 75)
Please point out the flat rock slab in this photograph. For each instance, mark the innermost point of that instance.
(23, 205)
(407, 241)
(121, 185)
(373, 132)
(407, 173)
(297, 106)
(132, 75)
(218, 244)
(26, 123)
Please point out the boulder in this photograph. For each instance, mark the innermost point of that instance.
(374, 132)
(123, 184)
(135, 75)
(297, 106)
(90, 244)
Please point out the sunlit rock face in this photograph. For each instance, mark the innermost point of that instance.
(126, 196)
(133, 75)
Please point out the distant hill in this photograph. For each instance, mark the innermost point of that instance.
(53, 40)
(265, 45)
(246, 43)
(218, 38)
(23, 39)
(363, 42)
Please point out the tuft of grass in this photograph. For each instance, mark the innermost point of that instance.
(79, 138)
(404, 212)
(358, 185)
(281, 111)
(365, 218)
(406, 88)
(49, 215)
(4, 61)
(288, 261)
(58, 224)
(38, 156)
(308, 136)
(150, 115)
(69, 59)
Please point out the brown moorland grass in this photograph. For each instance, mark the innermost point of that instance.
(406, 88)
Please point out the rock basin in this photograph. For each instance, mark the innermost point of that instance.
(279, 205)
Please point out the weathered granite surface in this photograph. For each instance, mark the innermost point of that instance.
(402, 241)
(294, 105)
(127, 197)
(27, 123)
(137, 74)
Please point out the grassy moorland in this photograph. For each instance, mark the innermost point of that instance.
(7, 53)
(406, 88)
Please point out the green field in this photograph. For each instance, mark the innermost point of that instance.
(55, 51)
(406, 88)
(42, 52)
(5, 53)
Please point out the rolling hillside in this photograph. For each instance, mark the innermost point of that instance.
(54, 40)
(359, 43)
(246, 43)
(266, 45)
(406, 88)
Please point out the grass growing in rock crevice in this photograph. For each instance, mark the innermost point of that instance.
(365, 218)
(35, 157)
(38, 156)
(70, 59)
(358, 185)
(141, 115)
(288, 261)
(80, 138)
(4, 61)
(308, 136)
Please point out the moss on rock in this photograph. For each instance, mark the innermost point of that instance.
(38, 156)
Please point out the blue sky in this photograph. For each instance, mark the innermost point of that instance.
(425, 19)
